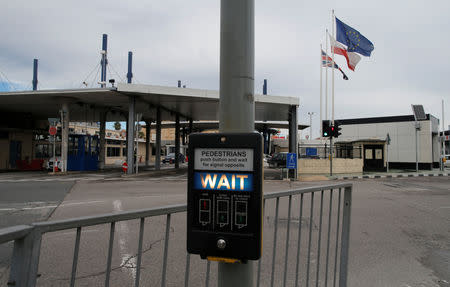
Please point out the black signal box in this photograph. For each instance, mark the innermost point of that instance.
(224, 211)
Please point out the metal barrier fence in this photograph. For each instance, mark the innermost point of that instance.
(316, 259)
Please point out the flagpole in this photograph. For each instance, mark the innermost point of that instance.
(332, 94)
(321, 119)
(332, 70)
(326, 75)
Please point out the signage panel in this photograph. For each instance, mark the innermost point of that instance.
(223, 181)
(291, 161)
(224, 217)
(223, 159)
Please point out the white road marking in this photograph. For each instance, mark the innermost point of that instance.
(28, 208)
(81, 202)
(127, 260)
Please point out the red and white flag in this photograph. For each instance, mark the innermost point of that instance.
(352, 57)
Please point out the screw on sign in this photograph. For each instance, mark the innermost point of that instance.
(125, 167)
(52, 130)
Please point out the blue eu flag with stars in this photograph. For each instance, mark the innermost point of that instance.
(354, 41)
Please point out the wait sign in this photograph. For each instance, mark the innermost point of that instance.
(224, 214)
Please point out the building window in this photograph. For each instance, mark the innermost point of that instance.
(113, 151)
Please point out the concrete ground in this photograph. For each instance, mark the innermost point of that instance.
(400, 233)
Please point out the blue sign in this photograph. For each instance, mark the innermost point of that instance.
(311, 151)
(223, 181)
(291, 161)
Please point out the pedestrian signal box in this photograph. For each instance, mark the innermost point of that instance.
(224, 212)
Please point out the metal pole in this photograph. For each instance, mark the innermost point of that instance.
(417, 150)
(54, 153)
(147, 142)
(387, 158)
(137, 146)
(443, 138)
(130, 66)
(310, 124)
(35, 74)
(177, 141)
(101, 156)
(65, 135)
(104, 60)
(130, 134)
(331, 156)
(236, 106)
(293, 145)
(158, 139)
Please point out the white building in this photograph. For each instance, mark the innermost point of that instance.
(369, 134)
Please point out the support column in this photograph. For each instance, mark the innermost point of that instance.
(293, 128)
(158, 139)
(183, 137)
(147, 142)
(102, 155)
(65, 116)
(131, 134)
(177, 141)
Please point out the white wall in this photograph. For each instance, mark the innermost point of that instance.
(402, 134)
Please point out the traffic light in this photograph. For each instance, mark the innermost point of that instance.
(332, 131)
(337, 130)
(326, 129)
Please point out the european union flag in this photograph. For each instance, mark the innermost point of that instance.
(354, 41)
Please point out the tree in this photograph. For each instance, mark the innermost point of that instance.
(117, 126)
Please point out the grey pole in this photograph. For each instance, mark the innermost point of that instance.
(237, 52)
(101, 156)
(417, 148)
(177, 140)
(310, 124)
(35, 74)
(158, 139)
(65, 135)
(293, 127)
(443, 139)
(130, 135)
(236, 105)
(147, 142)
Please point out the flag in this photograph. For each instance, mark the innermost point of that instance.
(351, 57)
(354, 41)
(327, 61)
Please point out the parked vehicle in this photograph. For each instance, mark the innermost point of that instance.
(278, 160)
(447, 160)
(170, 158)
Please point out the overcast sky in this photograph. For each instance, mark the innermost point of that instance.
(179, 40)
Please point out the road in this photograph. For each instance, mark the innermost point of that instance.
(400, 233)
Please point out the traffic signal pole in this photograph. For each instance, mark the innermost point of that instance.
(236, 104)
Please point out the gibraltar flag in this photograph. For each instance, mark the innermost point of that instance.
(352, 57)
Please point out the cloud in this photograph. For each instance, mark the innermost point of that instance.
(179, 40)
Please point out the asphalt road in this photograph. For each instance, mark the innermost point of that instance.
(27, 202)
(400, 234)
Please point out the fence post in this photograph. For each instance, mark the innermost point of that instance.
(345, 238)
(25, 259)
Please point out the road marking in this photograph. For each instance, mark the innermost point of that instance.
(81, 202)
(28, 208)
(128, 261)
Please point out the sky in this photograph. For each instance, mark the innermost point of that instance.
(179, 40)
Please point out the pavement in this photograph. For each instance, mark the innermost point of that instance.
(393, 174)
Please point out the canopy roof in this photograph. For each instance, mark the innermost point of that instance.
(86, 104)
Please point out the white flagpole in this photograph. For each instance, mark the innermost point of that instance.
(321, 118)
(326, 75)
(332, 69)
